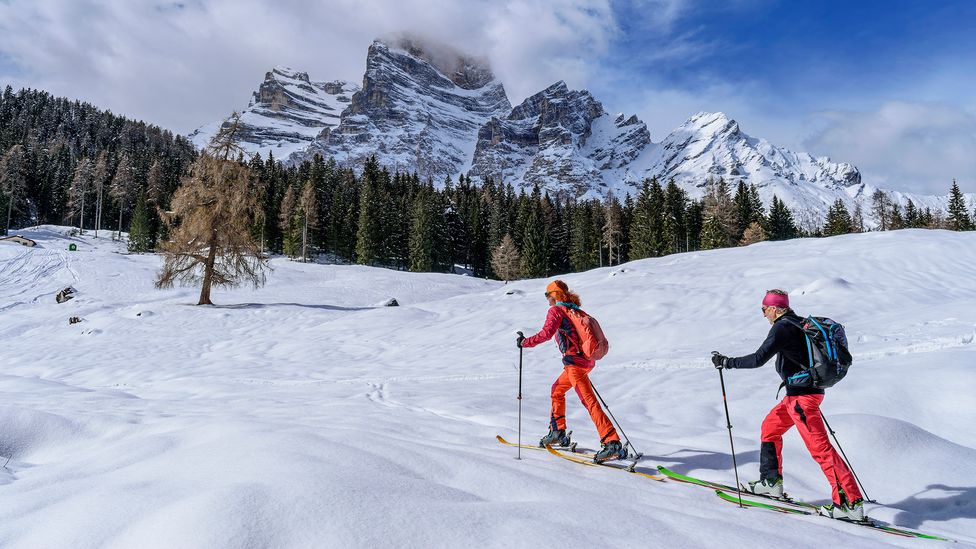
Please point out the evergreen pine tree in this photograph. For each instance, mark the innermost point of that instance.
(857, 218)
(674, 228)
(583, 240)
(535, 239)
(714, 234)
(758, 210)
(897, 220)
(498, 217)
(140, 234)
(642, 226)
(694, 221)
(781, 224)
(659, 239)
(626, 221)
(423, 232)
(612, 229)
(743, 215)
(838, 220)
(958, 219)
(913, 218)
(368, 243)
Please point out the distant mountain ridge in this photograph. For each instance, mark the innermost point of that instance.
(428, 109)
(286, 113)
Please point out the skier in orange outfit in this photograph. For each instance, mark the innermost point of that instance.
(575, 374)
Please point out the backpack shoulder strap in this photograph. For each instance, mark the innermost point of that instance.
(803, 367)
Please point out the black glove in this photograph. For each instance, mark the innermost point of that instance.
(519, 339)
(719, 360)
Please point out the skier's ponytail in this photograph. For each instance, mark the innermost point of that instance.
(560, 291)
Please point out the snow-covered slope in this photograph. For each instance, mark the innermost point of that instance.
(419, 111)
(286, 113)
(304, 415)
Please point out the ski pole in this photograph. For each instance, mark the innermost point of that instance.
(521, 335)
(846, 461)
(617, 423)
(728, 420)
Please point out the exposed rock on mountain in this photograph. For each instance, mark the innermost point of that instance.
(428, 109)
(416, 111)
(286, 113)
(559, 139)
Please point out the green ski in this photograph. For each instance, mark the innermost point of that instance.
(719, 486)
(867, 522)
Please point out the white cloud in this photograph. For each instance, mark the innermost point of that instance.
(181, 64)
(904, 145)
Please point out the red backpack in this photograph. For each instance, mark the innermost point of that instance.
(593, 343)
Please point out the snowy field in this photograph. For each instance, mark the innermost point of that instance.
(304, 414)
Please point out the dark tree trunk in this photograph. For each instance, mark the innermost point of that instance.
(208, 270)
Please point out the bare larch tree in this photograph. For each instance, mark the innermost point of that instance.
(209, 222)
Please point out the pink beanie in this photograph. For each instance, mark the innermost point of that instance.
(776, 300)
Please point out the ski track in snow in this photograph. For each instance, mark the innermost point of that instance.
(305, 414)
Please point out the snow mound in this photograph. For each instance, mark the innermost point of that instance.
(24, 433)
(833, 285)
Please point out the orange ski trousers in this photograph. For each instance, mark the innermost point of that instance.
(804, 412)
(578, 378)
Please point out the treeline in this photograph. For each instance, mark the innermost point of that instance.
(396, 220)
(66, 162)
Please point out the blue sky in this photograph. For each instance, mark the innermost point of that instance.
(792, 71)
(887, 86)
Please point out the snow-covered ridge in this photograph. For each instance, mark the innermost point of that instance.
(286, 113)
(305, 415)
(559, 139)
(413, 116)
(428, 109)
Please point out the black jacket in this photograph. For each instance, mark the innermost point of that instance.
(787, 341)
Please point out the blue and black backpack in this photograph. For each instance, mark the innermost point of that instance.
(827, 348)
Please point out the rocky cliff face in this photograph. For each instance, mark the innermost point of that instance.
(560, 139)
(286, 113)
(415, 111)
(427, 109)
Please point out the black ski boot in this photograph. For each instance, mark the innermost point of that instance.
(556, 437)
(611, 451)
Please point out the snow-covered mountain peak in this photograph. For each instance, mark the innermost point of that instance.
(711, 124)
(465, 71)
(420, 108)
(560, 139)
(430, 108)
(285, 113)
